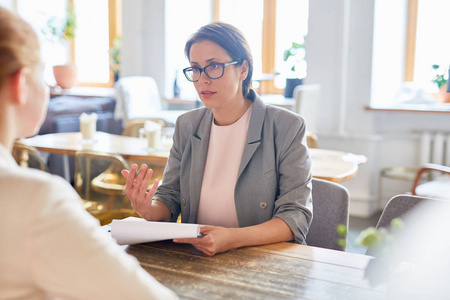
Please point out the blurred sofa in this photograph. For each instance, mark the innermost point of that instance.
(63, 116)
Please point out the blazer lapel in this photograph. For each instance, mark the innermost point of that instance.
(254, 132)
(199, 142)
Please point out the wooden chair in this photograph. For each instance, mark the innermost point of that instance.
(312, 140)
(331, 205)
(99, 183)
(132, 127)
(438, 187)
(28, 157)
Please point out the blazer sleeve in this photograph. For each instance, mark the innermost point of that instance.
(169, 191)
(294, 201)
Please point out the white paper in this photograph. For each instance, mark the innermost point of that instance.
(136, 230)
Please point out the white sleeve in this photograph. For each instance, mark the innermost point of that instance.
(73, 259)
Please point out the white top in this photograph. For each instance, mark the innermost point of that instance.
(226, 145)
(52, 248)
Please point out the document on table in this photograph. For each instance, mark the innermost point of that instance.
(136, 230)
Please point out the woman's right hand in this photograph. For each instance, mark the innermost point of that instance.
(136, 189)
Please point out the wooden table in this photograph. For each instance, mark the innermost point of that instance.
(330, 165)
(68, 143)
(336, 166)
(277, 271)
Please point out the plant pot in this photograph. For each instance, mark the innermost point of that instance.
(444, 96)
(66, 75)
(291, 83)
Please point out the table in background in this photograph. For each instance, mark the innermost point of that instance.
(68, 143)
(330, 165)
(276, 271)
(336, 166)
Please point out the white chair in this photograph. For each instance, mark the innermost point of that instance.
(438, 187)
(138, 97)
(307, 97)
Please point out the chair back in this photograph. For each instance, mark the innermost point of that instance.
(330, 208)
(312, 140)
(99, 183)
(398, 206)
(28, 157)
(136, 97)
(97, 176)
(307, 97)
(133, 126)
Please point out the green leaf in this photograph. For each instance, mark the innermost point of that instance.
(342, 243)
(397, 223)
(286, 55)
(369, 237)
(298, 45)
(342, 230)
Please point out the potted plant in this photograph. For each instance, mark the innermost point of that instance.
(115, 57)
(63, 31)
(295, 67)
(440, 80)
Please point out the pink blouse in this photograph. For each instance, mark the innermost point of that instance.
(226, 145)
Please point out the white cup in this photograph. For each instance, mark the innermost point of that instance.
(152, 133)
(88, 125)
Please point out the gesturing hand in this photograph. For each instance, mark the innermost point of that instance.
(136, 189)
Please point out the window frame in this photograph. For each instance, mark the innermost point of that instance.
(268, 42)
(411, 32)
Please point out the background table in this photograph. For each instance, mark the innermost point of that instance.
(68, 143)
(330, 165)
(277, 271)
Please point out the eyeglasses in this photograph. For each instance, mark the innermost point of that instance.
(213, 71)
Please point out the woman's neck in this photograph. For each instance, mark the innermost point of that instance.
(228, 115)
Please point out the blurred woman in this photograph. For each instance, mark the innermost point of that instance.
(51, 247)
(236, 165)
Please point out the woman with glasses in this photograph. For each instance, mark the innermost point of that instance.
(51, 247)
(236, 165)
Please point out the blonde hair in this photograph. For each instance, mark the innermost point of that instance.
(19, 45)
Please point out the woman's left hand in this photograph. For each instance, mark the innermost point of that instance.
(215, 240)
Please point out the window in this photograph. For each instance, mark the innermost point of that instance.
(92, 42)
(182, 19)
(98, 23)
(430, 45)
(274, 26)
(406, 45)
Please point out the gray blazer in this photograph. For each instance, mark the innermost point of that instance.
(274, 178)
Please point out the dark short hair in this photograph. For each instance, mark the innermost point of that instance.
(231, 40)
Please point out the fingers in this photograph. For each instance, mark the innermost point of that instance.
(137, 182)
(125, 173)
(130, 177)
(143, 186)
(153, 189)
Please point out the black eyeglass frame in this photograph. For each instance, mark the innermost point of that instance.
(188, 69)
